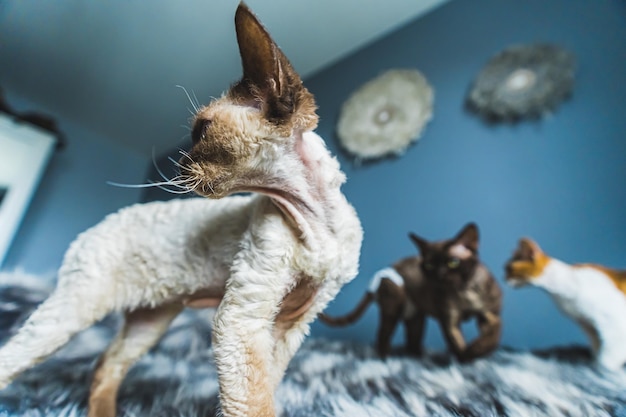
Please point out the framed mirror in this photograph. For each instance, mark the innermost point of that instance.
(24, 153)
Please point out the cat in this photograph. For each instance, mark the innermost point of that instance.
(269, 260)
(448, 283)
(592, 295)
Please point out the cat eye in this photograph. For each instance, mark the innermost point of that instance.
(454, 263)
(199, 130)
(428, 266)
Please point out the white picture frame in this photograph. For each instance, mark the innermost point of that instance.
(24, 154)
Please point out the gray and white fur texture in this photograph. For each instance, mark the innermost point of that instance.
(178, 378)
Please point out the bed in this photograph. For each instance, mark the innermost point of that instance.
(326, 378)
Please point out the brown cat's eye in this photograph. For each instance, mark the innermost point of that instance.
(453, 263)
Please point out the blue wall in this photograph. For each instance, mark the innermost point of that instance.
(73, 194)
(560, 180)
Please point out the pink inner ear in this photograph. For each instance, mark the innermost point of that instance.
(460, 251)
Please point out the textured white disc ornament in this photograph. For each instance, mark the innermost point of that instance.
(386, 114)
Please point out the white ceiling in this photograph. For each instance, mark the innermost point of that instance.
(113, 66)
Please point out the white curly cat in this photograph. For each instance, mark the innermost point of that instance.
(271, 260)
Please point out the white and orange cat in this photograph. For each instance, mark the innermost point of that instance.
(593, 295)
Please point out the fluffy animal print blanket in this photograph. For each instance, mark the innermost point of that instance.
(326, 378)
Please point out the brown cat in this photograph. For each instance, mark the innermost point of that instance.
(449, 283)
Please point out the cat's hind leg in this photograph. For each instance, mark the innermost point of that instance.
(68, 310)
(142, 329)
(391, 301)
(414, 327)
(610, 358)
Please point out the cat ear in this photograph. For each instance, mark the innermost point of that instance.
(259, 53)
(269, 80)
(468, 237)
(421, 244)
(529, 249)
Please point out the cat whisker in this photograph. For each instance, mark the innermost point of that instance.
(148, 185)
(208, 184)
(189, 183)
(192, 187)
(194, 178)
(179, 182)
(177, 164)
(182, 168)
(196, 99)
(186, 155)
(157, 167)
(193, 104)
(183, 190)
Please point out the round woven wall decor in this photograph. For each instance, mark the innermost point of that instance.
(522, 81)
(386, 114)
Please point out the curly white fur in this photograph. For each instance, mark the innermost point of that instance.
(161, 253)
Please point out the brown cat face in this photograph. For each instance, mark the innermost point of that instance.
(450, 263)
(526, 264)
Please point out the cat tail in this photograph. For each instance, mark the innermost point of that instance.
(351, 317)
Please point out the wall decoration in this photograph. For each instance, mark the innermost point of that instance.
(386, 114)
(25, 153)
(522, 81)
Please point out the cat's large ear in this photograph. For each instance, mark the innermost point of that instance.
(528, 249)
(420, 243)
(468, 237)
(269, 81)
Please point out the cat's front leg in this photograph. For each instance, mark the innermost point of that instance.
(244, 342)
(450, 325)
(592, 334)
(490, 327)
(611, 354)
